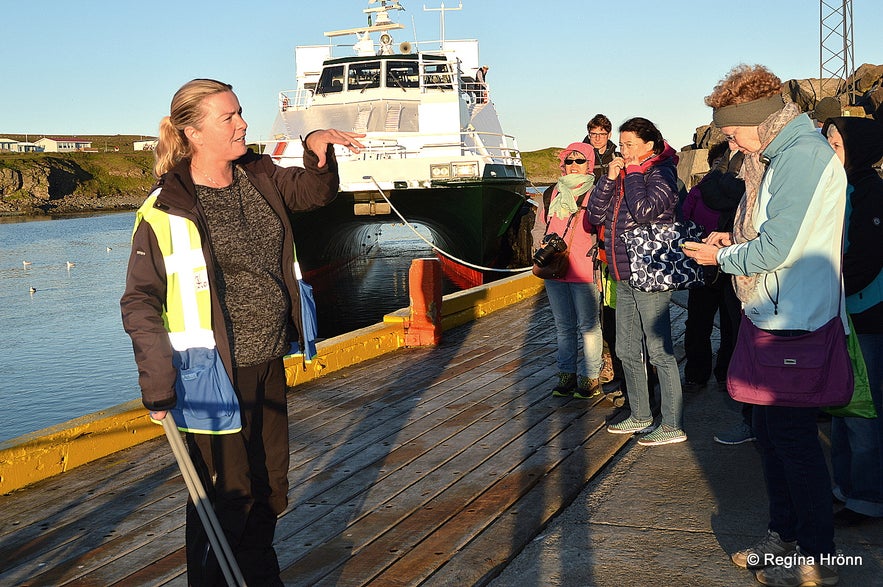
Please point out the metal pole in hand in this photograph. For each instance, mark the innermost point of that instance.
(216, 537)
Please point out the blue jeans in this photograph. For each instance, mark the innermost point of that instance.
(857, 443)
(643, 318)
(577, 313)
(796, 475)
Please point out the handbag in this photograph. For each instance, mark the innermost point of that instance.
(656, 259)
(862, 404)
(556, 267)
(803, 371)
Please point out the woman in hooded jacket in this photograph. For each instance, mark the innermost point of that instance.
(640, 188)
(857, 443)
(574, 298)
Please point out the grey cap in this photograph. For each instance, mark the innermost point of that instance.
(826, 108)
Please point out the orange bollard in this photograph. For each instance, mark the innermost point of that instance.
(425, 287)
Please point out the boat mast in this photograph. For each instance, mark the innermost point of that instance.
(382, 21)
(441, 18)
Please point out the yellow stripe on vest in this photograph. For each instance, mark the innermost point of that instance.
(187, 314)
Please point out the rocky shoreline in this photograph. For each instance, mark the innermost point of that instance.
(38, 185)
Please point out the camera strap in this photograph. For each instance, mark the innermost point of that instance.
(579, 205)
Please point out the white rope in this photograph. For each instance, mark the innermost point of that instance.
(435, 248)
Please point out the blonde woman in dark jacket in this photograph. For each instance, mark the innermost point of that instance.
(211, 273)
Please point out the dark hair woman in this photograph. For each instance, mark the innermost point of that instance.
(640, 188)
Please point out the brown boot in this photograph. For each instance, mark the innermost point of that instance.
(587, 388)
(607, 374)
(566, 385)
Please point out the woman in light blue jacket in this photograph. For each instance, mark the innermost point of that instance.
(785, 254)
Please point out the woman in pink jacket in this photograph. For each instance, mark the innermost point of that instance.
(574, 298)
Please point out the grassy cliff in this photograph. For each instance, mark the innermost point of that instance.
(541, 166)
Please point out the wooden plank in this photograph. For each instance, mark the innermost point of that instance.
(468, 472)
(380, 452)
(125, 468)
(483, 557)
(462, 513)
(396, 481)
(383, 431)
(88, 549)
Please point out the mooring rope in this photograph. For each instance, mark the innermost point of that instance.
(430, 243)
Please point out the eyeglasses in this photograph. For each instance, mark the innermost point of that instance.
(598, 134)
(574, 161)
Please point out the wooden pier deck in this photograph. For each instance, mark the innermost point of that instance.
(431, 466)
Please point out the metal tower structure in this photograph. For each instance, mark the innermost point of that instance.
(836, 54)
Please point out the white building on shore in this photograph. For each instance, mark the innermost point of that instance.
(145, 145)
(19, 146)
(63, 145)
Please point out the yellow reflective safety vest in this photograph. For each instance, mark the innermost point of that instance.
(207, 402)
(187, 313)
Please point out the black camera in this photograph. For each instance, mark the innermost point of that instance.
(552, 244)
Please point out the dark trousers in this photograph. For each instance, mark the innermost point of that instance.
(797, 481)
(246, 477)
(702, 304)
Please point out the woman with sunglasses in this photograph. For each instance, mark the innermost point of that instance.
(640, 188)
(574, 298)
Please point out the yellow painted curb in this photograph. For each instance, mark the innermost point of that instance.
(42, 454)
(48, 452)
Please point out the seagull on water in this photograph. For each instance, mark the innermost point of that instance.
(69, 264)
(26, 263)
(109, 249)
(33, 289)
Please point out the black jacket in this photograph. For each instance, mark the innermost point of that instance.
(285, 189)
(863, 257)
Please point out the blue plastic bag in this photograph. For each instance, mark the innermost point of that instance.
(207, 402)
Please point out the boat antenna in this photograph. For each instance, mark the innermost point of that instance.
(441, 17)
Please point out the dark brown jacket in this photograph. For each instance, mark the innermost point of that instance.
(284, 188)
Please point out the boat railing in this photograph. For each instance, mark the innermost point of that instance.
(490, 147)
(478, 90)
(299, 99)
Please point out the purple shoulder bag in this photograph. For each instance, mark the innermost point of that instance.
(808, 370)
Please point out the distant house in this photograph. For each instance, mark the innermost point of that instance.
(23, 147)
(6, 144)
(63, 145)
(148, 145)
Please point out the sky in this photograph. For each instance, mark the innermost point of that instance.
(112, 66)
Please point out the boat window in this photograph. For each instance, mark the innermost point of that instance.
(331, 80)
(437, 75)
(402, 74)
(364, 75)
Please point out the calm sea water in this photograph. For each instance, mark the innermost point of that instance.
(63, 351)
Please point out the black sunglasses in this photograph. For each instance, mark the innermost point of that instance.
(572, 161)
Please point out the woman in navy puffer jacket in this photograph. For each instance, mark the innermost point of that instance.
(640, 188)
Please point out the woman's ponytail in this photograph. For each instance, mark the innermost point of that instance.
(172, 145)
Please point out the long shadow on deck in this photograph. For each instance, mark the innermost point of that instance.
(443, 472)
